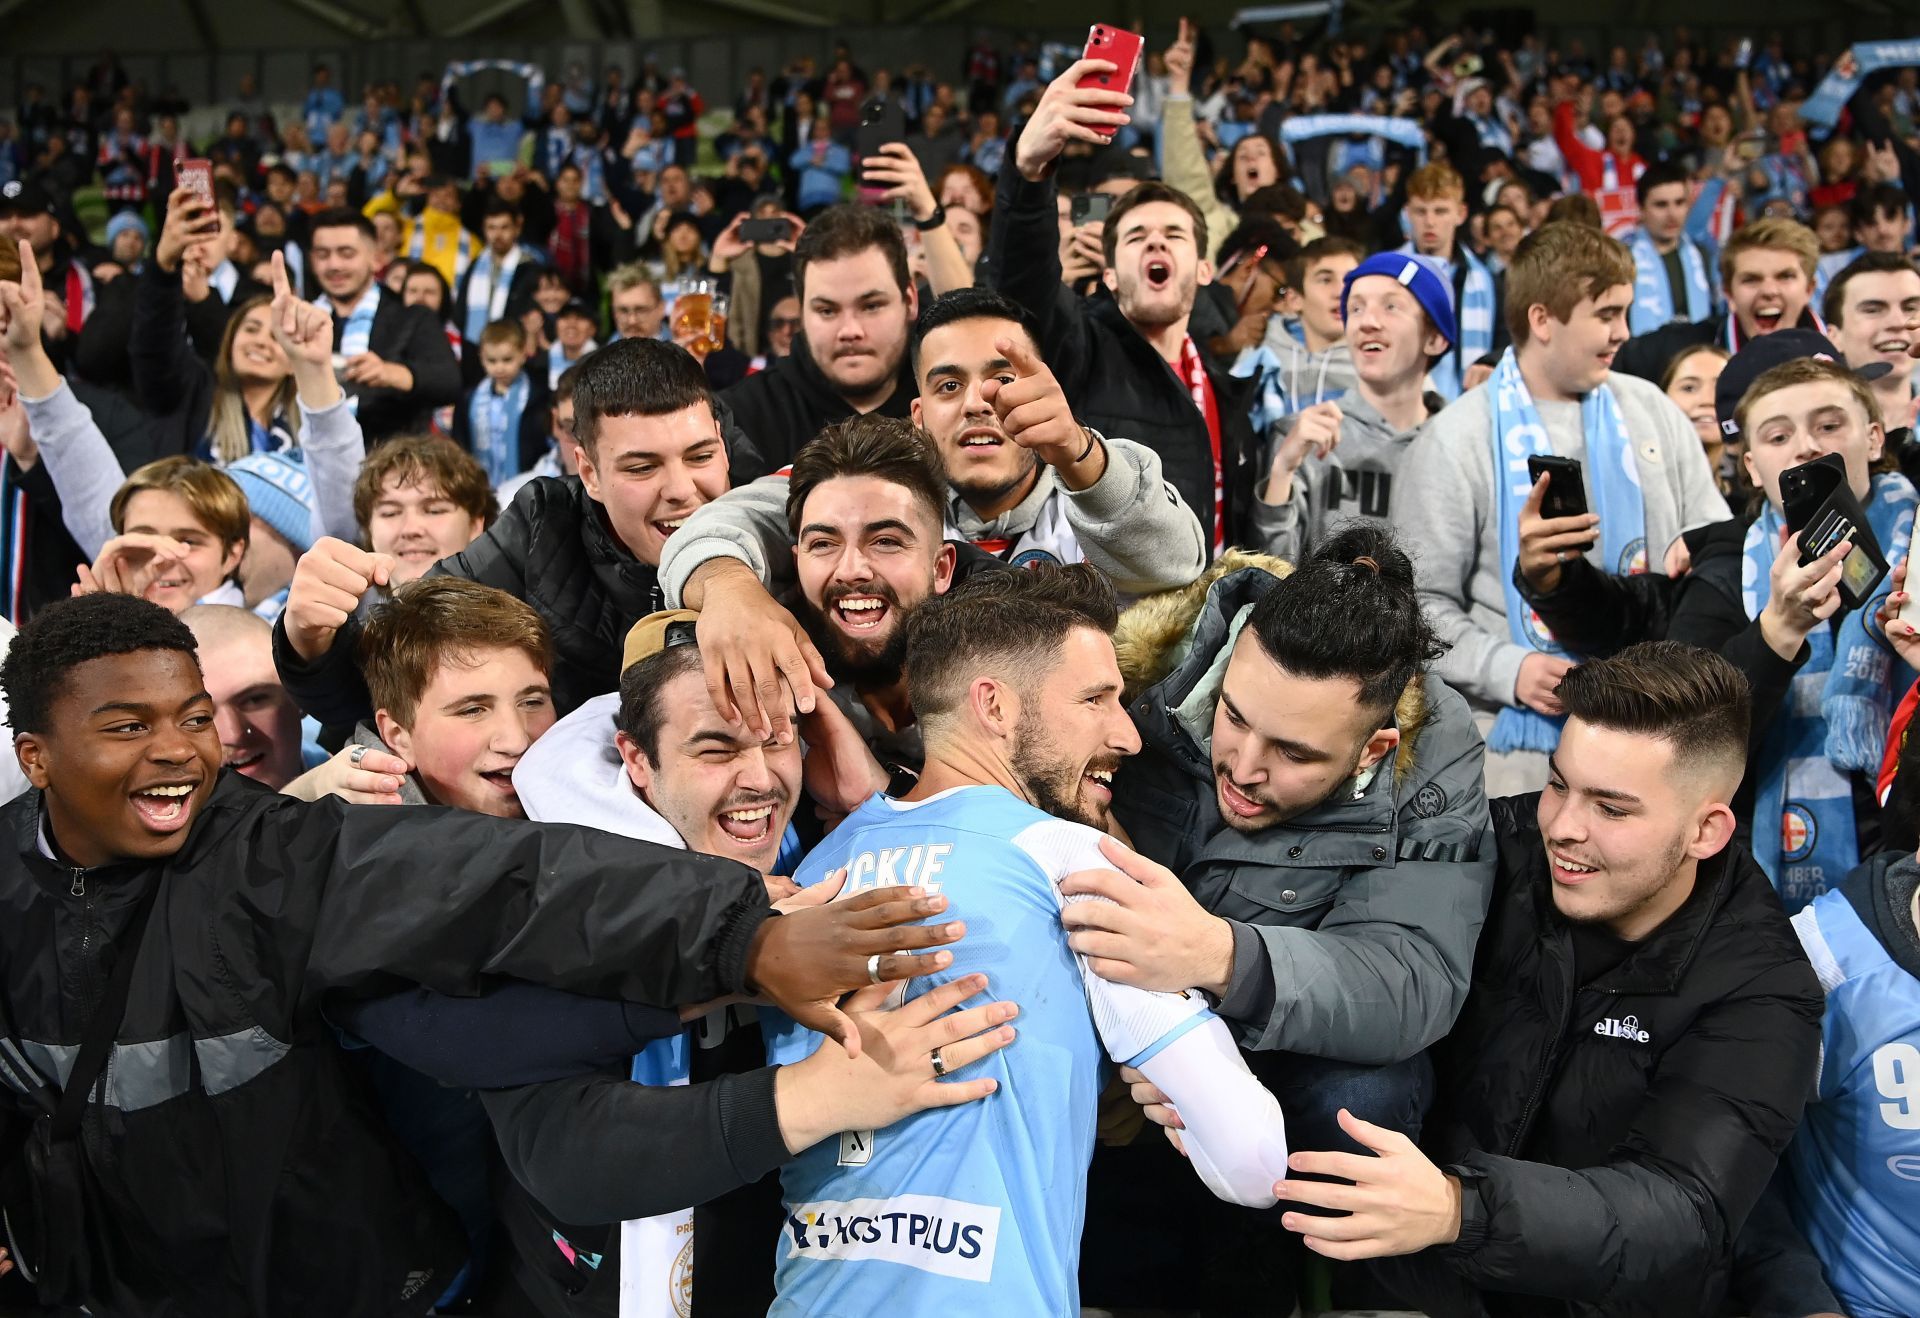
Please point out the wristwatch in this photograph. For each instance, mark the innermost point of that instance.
(933, 221)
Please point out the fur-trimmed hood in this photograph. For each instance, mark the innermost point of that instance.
(1156, 636)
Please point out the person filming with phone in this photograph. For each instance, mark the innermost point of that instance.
(1795, 614)
(1554, 393)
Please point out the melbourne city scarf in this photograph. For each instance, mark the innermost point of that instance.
(1476, 325)
(495, 419)
(1834, 721)
(1653, 302)
(489, 281)
(1613, 477)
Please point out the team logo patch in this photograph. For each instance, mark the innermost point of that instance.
(1033, 558)
(1536, 631)
(680, 1281)
(950, 1237)
(1429, 801)
(1798, 833)
(1633, 559)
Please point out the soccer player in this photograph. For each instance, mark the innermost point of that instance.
(1017, 690)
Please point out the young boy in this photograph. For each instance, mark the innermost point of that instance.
(1435, 211)
(503, 420)
(1315, 363)
(458, 673)
(1398, 312)
(419, 499)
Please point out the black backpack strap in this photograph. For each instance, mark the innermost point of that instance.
(104, 1024)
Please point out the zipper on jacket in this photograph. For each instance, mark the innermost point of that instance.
(78, 888)
(1546, 1072)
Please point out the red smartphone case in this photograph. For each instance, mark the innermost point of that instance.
(1117, 46)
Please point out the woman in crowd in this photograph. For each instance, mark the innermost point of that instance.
(1689, 381)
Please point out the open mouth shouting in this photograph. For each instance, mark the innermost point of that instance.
(164, 807)
(1158, 272)
(1768, 315)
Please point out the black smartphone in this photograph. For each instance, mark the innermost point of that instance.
(1089, 208)
(881, 121)
(773, 230)
(1836, 517)
(1566, 493)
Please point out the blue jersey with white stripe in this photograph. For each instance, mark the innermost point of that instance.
(977, 1207)
(1856, 1158)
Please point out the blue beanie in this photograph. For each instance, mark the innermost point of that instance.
(279, 493)
(125, 220)
(1423, 278)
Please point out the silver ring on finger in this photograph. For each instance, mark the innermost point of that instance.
(357, 753)
(1564, 556)
(939, 1067)
(873, 969)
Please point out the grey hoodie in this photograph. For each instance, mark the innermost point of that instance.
(1353, 483)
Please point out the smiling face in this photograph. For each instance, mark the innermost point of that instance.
(255, 356)
(1389, 333)
(858, 322)
(1621, 828)
(725, 792)
(1073, 732)
(342, 262)
(1802, 422)
(1283, 743)
(129, 756)
(416, 523)
(1156, 264)
(1577, 355)
(1879, 319)
(1692, 391)
(476, 718)
(955, 361)
(208, 561)
(1768, 291)
(868, 553)
(651, 472)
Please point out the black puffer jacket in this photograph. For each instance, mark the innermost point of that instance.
(229, 1167)
(1612, 1137)
(790, 402)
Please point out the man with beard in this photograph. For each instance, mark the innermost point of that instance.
(1318, 794)
(857, 304)
(1133, 364)
(1026, 483)
(1015, 681)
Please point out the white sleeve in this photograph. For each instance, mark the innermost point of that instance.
(1236, 1136)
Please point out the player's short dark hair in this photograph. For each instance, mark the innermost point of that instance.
(1681, 694)
(1350, 611)
(643, 686)
(70, 632)
(1012, 619)
(976, 303)
(635, 377)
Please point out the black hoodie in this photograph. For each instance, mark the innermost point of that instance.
(784, 406)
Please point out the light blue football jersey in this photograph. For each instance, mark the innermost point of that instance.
(976, 1208)
(1856, 1158)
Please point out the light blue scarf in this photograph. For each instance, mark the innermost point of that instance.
(1653, 304)
(1835, 718)
(1476, 324)
(489, 282)
(495, 419)
(1614, 479)
(1270, 394)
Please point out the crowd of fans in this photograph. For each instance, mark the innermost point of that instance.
(516, 646)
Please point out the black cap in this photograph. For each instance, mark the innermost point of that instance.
(26, 197)
(577, 307)
(1768, 351)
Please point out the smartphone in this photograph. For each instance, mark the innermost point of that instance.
(774, 230)
(881, 121)
(1566, 493)
(1820, 506)
(1117, 46)
(1089, 208)
(197, 177)
(1744, 55)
